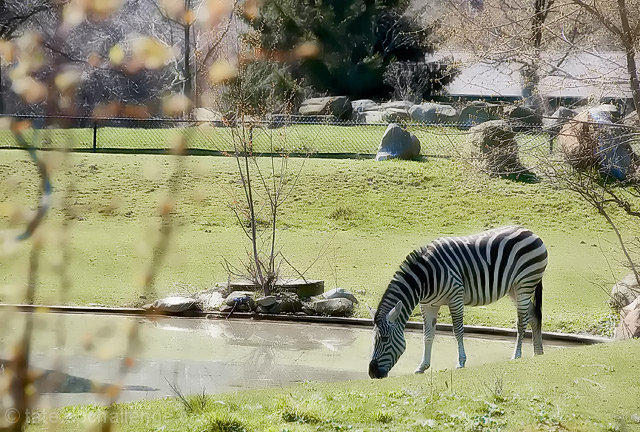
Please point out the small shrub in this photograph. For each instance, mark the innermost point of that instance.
(294, 414)
(222, 422)
(343, 213)
(382, 417)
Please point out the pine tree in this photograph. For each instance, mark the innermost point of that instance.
(356, 41)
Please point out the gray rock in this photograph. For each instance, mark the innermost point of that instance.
(396, 111)
(495, 147)
(175, 304)
(369, 117)
(338, 106)
(402, 105)
(338, 293)
(210, 300)
(625, 291)
(477, 112)
(522, 117)
(398, 143)
(333, 307)
(286, 302)
(243, 300)
(364, 105)
(433, 113)
(560, 116)
(590, 141)
(266, 301)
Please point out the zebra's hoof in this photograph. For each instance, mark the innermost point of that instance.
(421, 370)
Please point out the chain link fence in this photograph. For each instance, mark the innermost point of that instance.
(292, 135)
(313, 136)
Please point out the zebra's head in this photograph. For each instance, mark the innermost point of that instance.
(388, 342)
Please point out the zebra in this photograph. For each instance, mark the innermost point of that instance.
(457, 271)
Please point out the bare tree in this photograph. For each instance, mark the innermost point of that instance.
(621, 18)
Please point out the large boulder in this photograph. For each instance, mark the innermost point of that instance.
(625, 291)
(522, 117)
(283, 302)
(337, 293)
(174, 304)
(363, 105)
(337, 106)
(396, 111)
(398, 143)
(494, 146)
(590, 140)
(560, 116)
(369, 117)
(333, 307)
(477, 112)
(629, 326)
(433, 113)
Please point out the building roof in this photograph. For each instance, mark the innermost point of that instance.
(580, 75)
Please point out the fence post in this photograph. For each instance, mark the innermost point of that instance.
(95, 136)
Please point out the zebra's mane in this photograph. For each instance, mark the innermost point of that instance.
(415, 255)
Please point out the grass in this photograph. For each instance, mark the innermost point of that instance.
(351, 221)
(584, 389)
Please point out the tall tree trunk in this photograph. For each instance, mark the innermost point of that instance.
(629, 48)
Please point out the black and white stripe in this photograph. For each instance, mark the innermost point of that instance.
(457, 271)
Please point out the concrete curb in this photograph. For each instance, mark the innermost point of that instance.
(361, 322)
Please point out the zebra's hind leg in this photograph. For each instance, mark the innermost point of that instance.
(523, 303)
(535, 319)
(456, 308)
(430, 317)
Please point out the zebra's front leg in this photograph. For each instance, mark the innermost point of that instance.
(456, 307)
(430, 317)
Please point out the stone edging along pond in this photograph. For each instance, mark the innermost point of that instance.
(360, 322)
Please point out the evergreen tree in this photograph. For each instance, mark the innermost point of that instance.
(356, 41)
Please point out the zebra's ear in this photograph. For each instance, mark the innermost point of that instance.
(372, 312)
(394, 313)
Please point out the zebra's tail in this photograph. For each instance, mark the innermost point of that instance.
(537, 304)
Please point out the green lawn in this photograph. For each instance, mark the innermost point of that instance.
(585, 389)
(351, 221)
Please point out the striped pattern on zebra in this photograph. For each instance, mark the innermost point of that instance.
(457, 271)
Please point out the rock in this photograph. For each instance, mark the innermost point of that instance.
(174, 304)
(266, 301)
(396, 111)
(338, 106)
(398, 143)
(477, 112)
(303, 288)
(629, 327)
(333, 307)
(624, 292)
(243, 300)
(495, 147)
(560, 116)
(285, 302)
(522, 117)
(433, 113)
(364, 105)
(369, 117)
(401, 105)
(338, 293)
(209, 300)
(589, 141)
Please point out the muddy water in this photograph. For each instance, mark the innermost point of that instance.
(88, 351)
